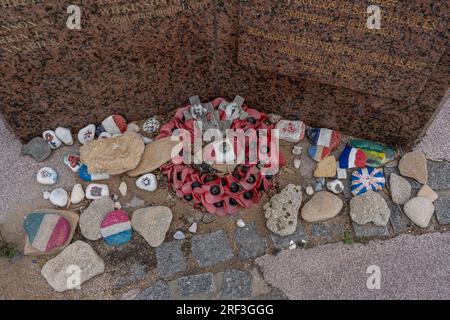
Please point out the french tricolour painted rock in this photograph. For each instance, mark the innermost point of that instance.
(318, 153)
(52, 139)
(324, 137)
(46, 231)
(85, 175)
(115, 124)
(73, 162)
(367, 179)
(116, 228)
(86, 134)
(352, 158)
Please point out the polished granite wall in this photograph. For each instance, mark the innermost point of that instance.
(153, 64)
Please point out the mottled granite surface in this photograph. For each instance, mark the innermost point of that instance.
(153, 64)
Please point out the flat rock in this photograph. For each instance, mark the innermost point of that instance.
(196, 285)
(236, 284)
(281, 211)
(157, 291)
(370, 207)
(442, 208)
(428, 193)
(211, 249)
(113, 156)
(419, 210)
(326, 168)
(155, 155)
(170, 259)
(370, 230)
(251, 245)
(439, 175)
(152, 223)
(78, 254)
(400, 189)
(322, 206)
(92, 217)
(414, 165)
(37, 148)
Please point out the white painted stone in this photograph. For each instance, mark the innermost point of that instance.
(336, 186)
(193, 228)
(96, 191)
(86, 134)
(77, 195)
(105, 135)
(65, 135)
(297, 163)
(297, 150)
(291, 131)
(57, 197)
(47, 176)
(179, 235)
(147, 182)
(123, 188)
(51, 138)
(240, 223)
(310, 190)
(151, 125)
(341, 172)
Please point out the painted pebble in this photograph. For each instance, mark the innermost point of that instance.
(115, 124)
(116, 228)
(367, 179)
(318, 153)
(352, 158)
(297, 150)
(84, 175)
(51, 138)
(151, 125)
(96, 191)
(324, 137)
(291, 131)
(335, 186)
(147, 182)
(86, 134)
(65, 135)
(47, 176)
(105, 135)
(77, 195)
(46, 231)
(72, 161)
(57, 197)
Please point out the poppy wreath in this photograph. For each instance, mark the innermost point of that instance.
(221, 193)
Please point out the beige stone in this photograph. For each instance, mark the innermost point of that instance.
(326, 168)
(113, 156)
(419, 210)
(152, 223)
(155, 155)
(414, 165)
(428, 193)
(322, 206)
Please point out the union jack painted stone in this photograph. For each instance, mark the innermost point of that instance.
(367, 179)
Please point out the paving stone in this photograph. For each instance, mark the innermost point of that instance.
(170, 259)
(211, 249)
(443, 208)
(157, 291)
(370, 230)
(439, 175)
(236, 284)
(197, 285)
(250, 243)
(348, 187)
(137, 274)
(399, 221)
(299, 236)
(321, 230)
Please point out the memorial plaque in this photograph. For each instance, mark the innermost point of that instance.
(134, 58)
(330, 41)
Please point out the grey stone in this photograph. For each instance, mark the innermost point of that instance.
(92, 217)
(321, 230)
(299, 237)
(135, 203)
(152, 223)
(209, 218)
(443, 208)
(369, 207)
(348, 187)
(400, 189)
(197, 285)
(37, 148)
(157, 291)
(170, 259)
(399, 221)
(250, 243)
(236, 284)
(439, 175)
(211, 249)
(138, 273)
(370, 230)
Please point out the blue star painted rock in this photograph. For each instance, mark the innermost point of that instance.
(46, 231)
(116, 228)
(367, 179)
